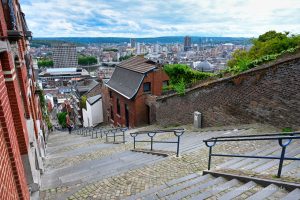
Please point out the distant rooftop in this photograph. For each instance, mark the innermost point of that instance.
(138, 64)
(51, 70)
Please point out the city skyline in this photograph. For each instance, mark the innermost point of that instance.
(124, 18)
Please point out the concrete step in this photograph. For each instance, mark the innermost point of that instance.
(154, 190)
(294, 195)
(214, 191)
(272, 163)
(193, 188)
(264, 193)
(238, 191)
(186, 184)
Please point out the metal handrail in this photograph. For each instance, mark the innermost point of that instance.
(114, 134)
(261, 135)
(177, 132)
(284, 139)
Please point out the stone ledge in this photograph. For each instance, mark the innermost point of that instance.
(154, 152)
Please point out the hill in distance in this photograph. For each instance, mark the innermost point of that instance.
(48, 41)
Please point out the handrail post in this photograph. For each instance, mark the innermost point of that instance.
(151, 143)
(178, 141)
(209, 158)
(281, 161)
(106, 139)
(123, 136)
(133, 142)
(114, 136)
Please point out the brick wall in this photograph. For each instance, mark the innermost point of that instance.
(138, 109)
(267, 94)
(8, 189)
(12, 146)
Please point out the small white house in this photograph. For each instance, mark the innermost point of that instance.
(93, 114)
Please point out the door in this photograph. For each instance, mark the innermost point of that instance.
(126, 115)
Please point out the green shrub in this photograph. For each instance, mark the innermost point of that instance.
(179, 72)
(180, 87)
(62, 120)
(287, 129)
(83, 100)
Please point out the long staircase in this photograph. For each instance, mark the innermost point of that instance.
(217, 184)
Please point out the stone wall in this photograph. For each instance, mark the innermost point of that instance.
(267, 94)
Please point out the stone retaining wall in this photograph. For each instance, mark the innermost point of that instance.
(267, 94)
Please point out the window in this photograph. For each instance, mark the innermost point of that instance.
(118, 107)
(110, 94)
(147, 87)
(165, 83)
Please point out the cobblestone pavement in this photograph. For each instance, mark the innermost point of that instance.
(67, 153)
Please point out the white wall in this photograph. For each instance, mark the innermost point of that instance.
(93, 114)
(85, 117)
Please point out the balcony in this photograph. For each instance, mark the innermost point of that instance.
(14, 35)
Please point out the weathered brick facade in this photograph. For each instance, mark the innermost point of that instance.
(140, 112)
(20, 115)
(267, 94)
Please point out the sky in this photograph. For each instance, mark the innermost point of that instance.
(154, 18)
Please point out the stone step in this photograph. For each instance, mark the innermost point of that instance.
(154, 190)
(294, 195)
(272, 163)
(264, 193)
(187, 184)
(238, 191)
(244, 162)
(193, 189)
(237, 160)
(218, 189)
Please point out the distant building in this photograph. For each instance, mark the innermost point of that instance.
(187, 43)
(203, 66)
(54, 77)
(132, 42)
(65, 56)
(131, 89)
(138, 49)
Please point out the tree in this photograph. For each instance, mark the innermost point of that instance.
(266, 47)
(87, 60)
(44, 62)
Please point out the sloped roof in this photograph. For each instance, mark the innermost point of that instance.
(94, 99)
(125, 82)
(138, 64)
(96, 90)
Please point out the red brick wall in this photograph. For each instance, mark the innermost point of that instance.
(138, 111)
(11, 140)
(8, 189)
(16, 103)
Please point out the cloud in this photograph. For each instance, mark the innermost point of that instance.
(151, 18)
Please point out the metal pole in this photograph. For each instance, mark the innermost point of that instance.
(177, 154)
(123, 137)
(133, 142)
(209, 158)
(151, 143)
(281, 161)
(114, 137)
